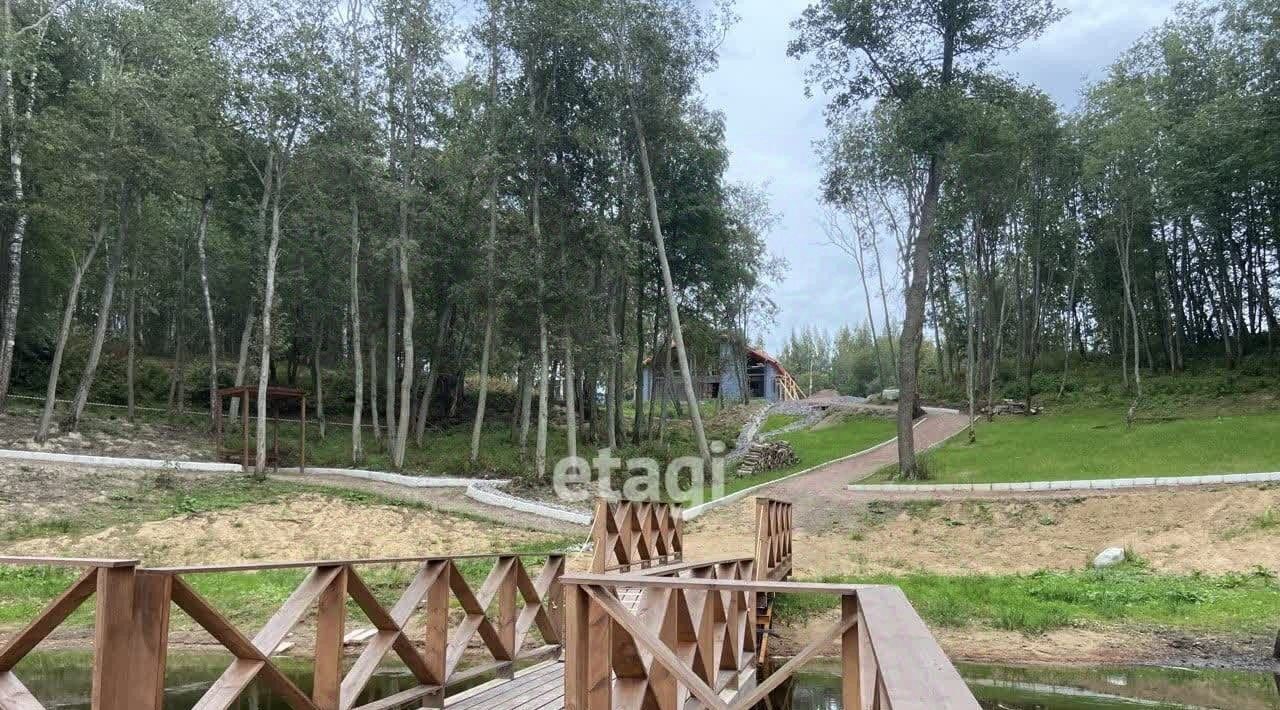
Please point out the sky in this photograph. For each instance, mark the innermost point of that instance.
(771, 127)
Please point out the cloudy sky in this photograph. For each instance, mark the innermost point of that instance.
(771, 127)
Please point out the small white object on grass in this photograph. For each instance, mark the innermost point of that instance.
(1109, 557)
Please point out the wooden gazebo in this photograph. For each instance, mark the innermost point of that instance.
(275, 395)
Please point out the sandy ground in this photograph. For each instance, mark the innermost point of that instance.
(306, 527)
(1175, 530)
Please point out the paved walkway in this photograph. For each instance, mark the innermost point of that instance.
(822, 496)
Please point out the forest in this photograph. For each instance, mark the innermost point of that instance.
(397, 197)
(405, 206)
(1142, 227)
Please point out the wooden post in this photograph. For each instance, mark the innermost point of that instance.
(850, 667)
(152, 597)
(113, 640)
(244, 428)
(586, 659)
(436, 610)
(302, 439)
(600, 537)
(331, 614)
(507, 614)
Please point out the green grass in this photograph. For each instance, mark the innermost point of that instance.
(775, 422)
(1096, 444)
(247, 598)
(1043, 601)
(818, 446)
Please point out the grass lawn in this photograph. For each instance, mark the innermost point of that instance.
(817, 446)
(1095, 444)
(775, 422)
(1040, 602)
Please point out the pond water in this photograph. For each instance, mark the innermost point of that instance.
(60, 679)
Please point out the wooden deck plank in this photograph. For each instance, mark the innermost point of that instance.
(494, 688)
(518, 692)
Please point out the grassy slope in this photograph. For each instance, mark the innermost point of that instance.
(1240, 603)
(1087, 444)
(817, 446)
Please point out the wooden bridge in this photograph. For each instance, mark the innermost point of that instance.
(642, 629)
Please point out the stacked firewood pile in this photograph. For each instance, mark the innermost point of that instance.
(1010, 406)
(767, 456)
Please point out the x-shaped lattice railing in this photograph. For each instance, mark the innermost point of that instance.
(627, 534)
(132, 623)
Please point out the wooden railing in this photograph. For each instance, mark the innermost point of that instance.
(773, 539)
(628, 535)
(131, 629)
(686, 646)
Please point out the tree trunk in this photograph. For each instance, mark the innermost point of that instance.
(13, 295)
(970, 348)
(482, 395)
(373, 387)
(215, 401)
(393, 313)
(638, 399)
(884, 303)
(997, 352)
(544, 395)
(130, 368)
(913, 325)
(610, 403)
(317, 378)
(357, 410)
(242, 360)
(526, 405)
(64, 332)
(570, 398)
(1071, 318)
(433, 372)
(695, 412)
(268, 298)
(406, 382)
(871, 318)
(104, 317)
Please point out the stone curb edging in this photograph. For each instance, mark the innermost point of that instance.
(1079, 485)
(698, 510)
(400, 479)
(489, 493)
(482, 490)
(111, 461)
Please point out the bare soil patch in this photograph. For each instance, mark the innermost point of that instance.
(1209, 530)
(310, 526)
(107, 434)
(1091, 645)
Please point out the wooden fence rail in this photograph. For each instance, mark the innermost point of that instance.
(132, 615)
(684, 646)
(628, 535)
(773, 538)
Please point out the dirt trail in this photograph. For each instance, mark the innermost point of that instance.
(820, 497)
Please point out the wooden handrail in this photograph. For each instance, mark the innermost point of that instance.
(626, 535)
(773, 538)
(679, 644)
(131, 628)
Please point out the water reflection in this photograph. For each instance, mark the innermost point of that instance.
(61, 680)
(1009, 688)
